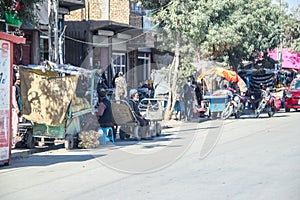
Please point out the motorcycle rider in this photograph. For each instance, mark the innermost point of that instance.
(265, 95)
(231, 93)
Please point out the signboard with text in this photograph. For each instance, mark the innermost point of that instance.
(5, 83)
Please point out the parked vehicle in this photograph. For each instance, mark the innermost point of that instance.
(52, 104)
(292, 95)
(235, 107)
(267, 104)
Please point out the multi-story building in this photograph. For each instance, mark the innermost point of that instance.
(37, 38)
(110, 34)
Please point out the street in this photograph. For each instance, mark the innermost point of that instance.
(245, 158)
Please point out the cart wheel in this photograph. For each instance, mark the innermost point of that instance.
(122, 134)
(69, 142)
(30, 143)
(158, 129)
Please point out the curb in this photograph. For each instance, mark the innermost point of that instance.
(24, 153)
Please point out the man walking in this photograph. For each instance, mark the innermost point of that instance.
(121, 87)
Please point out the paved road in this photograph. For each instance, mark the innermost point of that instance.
(233, 159)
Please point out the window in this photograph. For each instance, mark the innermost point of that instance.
(136, 9)
(144, 66)
(119, 62)
(44, 48)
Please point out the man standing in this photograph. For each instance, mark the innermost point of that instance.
(120, 87)
(16, 105)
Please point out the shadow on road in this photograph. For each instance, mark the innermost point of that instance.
(46, 160)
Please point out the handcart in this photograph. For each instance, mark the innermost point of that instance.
(55, 103)
(216, 104)
(153, 110)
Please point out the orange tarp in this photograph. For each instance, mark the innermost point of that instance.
(229, 75)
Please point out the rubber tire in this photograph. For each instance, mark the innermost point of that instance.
(122, 134)
(226, 113)
(259, 108)
(30, 142)
(69, 142)
(158, 128)
(272, 112)
(240, 111)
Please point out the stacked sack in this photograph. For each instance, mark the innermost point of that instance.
(89, 139)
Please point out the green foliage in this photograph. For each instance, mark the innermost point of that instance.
(292, 30)
(295, 46)
(25, 14)
(172, 18)
(236, 30)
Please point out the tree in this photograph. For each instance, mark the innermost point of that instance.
(239, 30)
(172, 16)
(292, 30)
(236, 30)
(22, 9)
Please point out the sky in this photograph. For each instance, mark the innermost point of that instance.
(292, 3)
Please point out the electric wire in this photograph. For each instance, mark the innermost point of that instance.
(115, 43)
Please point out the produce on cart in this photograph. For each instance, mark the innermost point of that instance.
(50, 101)
(89, 139)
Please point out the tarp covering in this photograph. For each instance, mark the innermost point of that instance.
(46, 98)
(265, 79)
(290, 59)
(229, 75)
(160, 83)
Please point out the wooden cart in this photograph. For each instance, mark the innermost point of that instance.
(49, 96)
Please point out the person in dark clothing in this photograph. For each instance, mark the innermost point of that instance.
(113, 82)
(188, 102)
(133, 102)
(18, 94)
(104, 113)
(101, 80)
(199, 95)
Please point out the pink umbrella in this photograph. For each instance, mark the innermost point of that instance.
(290, 59)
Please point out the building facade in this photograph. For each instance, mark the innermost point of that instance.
(36, 48)
(110, 34)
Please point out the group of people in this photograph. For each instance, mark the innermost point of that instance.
(118, 83)
(104, 108)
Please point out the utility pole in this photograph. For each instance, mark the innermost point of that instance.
(53, 30)
(279, 56)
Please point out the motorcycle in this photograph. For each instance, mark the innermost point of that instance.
(267, 104)
(235, 107)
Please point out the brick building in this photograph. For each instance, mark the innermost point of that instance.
(110, 34)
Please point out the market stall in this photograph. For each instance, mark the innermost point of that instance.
(214, 80)
(50, 101)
